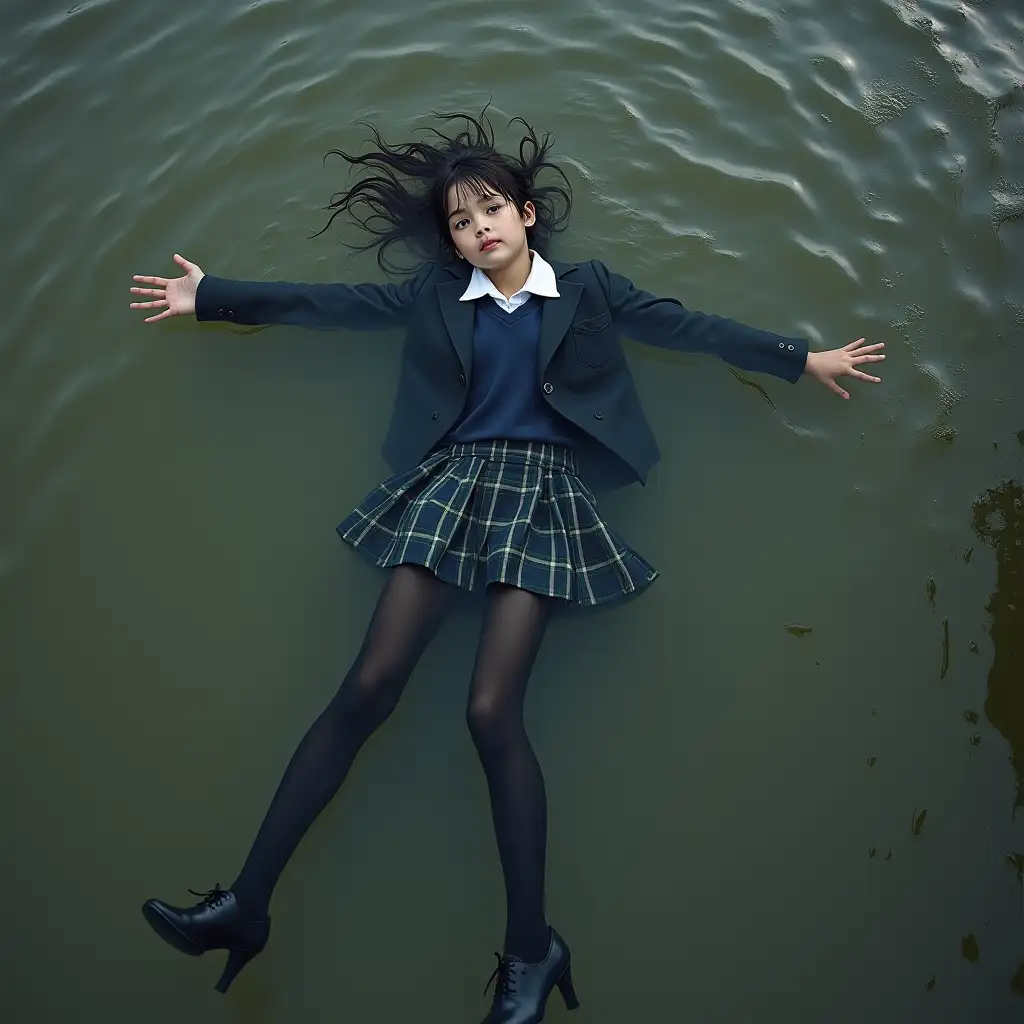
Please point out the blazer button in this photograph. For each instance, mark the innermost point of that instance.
(790, 348)
(548, 387)
(220, 312)
(433, 415)
(598, 415)
(782, 344)
(231, 312)
(462, 380)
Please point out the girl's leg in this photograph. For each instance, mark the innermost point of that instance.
(513, 628)
(410, 609)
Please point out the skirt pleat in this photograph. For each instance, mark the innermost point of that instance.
(512, 512)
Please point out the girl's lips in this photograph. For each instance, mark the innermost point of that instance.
(488, 246)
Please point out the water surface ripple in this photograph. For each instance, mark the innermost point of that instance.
(737, 764)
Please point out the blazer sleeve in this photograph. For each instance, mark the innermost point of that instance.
(356, 306)
(666, 323)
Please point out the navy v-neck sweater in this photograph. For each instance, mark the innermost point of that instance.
(505, 400)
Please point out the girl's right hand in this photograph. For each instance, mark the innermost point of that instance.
(177, 294)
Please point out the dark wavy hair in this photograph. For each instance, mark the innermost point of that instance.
(402, 200)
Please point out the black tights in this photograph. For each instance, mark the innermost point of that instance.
(410, 609)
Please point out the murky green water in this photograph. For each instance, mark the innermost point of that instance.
(732, 805)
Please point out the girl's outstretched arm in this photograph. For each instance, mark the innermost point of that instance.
(666, 323)
(358, 306)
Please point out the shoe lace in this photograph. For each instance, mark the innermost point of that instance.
(214, 898)
(503, 976)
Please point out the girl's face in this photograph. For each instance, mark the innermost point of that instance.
(487, 229)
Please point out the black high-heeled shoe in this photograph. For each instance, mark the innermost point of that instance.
(216, 922)
(521, 990)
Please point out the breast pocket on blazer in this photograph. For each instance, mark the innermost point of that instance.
(594, 340)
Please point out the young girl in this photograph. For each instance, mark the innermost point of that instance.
(512, 377)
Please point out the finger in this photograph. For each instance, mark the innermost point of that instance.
(159, 292)
(837, 389)
(867, 359)
(147, 305)
(159, 316)
(869, 348)
(143, 279)
(184, 263)
(864, 376)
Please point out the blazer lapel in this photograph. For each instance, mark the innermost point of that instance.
(458, 318)
(555, 320)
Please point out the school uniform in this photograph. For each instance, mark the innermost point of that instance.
(503, 409)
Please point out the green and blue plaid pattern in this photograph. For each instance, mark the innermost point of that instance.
(511, 512)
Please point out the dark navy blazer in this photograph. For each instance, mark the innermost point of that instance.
(581, 369)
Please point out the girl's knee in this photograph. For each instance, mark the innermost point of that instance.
(490, 718)
(369, 694)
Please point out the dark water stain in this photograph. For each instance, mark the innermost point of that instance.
(945, 649)
(798, 630)
(970, 716)
(998, 519)
(872, 761)
(968, 554)
(1016, 861)
(929, 984)
(1017, 981)
(917, 822)
(931, 589)
(970, 948)
(872, 850)
(973, 648)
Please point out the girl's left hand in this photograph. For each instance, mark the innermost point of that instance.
(843, 362)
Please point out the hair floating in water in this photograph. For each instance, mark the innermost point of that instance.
(402, 197)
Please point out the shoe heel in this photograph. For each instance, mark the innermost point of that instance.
(564, 984)
(237, 959)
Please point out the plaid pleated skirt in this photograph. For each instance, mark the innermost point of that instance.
(511, 512)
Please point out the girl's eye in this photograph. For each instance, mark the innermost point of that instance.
(463, 222)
